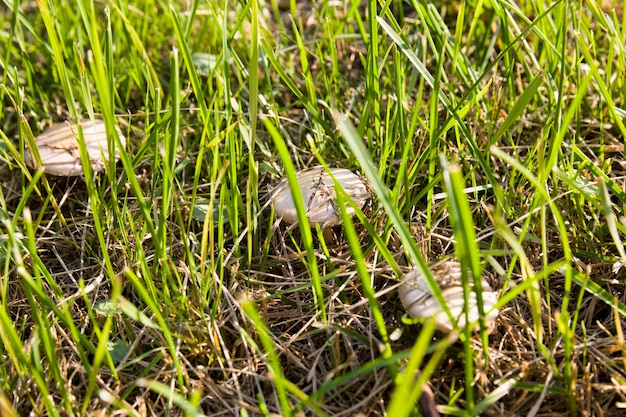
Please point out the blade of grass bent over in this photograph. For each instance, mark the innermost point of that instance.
(467, 254)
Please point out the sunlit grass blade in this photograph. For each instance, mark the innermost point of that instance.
(587, 164)
(494, 396)
(410, 381)
(303, 222)
(383, 194)
(543, 197)
(273, 361)
(380, 190)
(360, 263)
(312, 108)
(252, 192)
(597, 291)
(13, 346)
(600, 84)
(467, 253)
(373, 365)
(519, 108)
(156, 309)
(413, 58)
(173, 397)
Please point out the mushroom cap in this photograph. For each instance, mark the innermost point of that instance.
(419, 301)
(318, 193)
(58, 148)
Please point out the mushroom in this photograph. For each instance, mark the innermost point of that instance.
(420, 302)
(318, 193)
(58, 148)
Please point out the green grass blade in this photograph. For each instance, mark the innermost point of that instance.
(303, 222)
(273, 362)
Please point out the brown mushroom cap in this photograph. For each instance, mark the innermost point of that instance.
(318, 193)
(419, 301)
(58, 148)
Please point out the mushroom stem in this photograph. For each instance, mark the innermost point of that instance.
(426, 403)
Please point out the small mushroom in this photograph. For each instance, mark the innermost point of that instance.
(318, 193)
(58, 148)
(419, 301)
